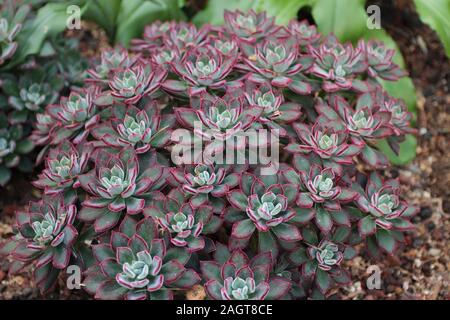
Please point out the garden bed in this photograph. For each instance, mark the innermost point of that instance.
(420, 270)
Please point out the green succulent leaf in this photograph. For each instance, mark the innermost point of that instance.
(386, 241)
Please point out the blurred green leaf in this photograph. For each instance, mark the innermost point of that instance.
(25, 146)
(347, 19)
(124, 20)
(5, 175)
(436, 13)
(104, 13)
(213, 13)
(282, 10)
(51, 19)
(134, 15)
(407, 150)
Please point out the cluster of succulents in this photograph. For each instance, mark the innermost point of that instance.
(143, 226)
(25, 91)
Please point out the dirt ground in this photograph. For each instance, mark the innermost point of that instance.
(421, 269)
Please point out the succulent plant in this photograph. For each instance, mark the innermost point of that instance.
(207, 184)
(382, 201)
(184, 35)
(337, 64)
(152, 37)
(14, 145)
(111, 61)
(276, 113)
(141, 129)
(279, 63)
(201, 67)
(131, 84)
(379, 60)
(362, 122)
(46, 236)
(42, 133)
(118, 182)
(62, 168)
(31, 92)
(75, 115)
(233, 276)
(149, 226)
(400, 117)
(305, 33)
(328, 141)
(11, 21)
(265, 206)
(222, 118)
(137, 265)
(185, 224)
(249, 26)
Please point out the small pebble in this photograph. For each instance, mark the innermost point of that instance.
(425, 212)
(434, 252)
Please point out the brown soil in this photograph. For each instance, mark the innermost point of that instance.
(421, 269)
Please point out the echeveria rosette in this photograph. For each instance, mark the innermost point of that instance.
(45, 238)
(324, 194)
(264, 206)
(31, 92)
(363, 122)
(44, 124)
(8, 144)
(233, 276)
(275, 111)
(337, 64)
(185, 225)
(225, 45)
(132, 127)
(303, 32)
(14, 146)
(74, 116)
(153, 37)
(388, 217)
(201, 67)
(320, 264)
(165, 56)
(185, 35)
(249, 26)
(323, 186)
(207, 183)
(400, 117)
(220, 117)
(324, 266)
(111, 60)
(133, 83)
(136, 265)
(118, 183)
(366, 124)
(278, 62)
(62, 167)
(379, 60)
(328, 141)
(176, 36)
(33, 97)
